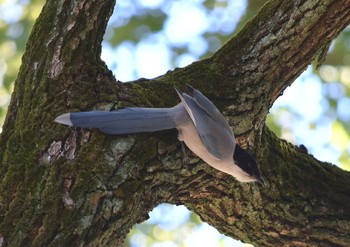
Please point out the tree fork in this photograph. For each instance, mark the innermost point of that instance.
(70, 187)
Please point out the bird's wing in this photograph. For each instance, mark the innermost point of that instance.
(209, 107)
(215, 138)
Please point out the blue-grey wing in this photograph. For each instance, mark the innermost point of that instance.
(219, 141)
(209, 107)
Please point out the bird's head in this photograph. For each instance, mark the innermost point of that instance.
(247, 163)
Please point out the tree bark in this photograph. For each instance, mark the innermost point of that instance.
(71, 187)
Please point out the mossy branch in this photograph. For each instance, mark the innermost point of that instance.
(72, 187)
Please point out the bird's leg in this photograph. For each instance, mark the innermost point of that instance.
(185, 159)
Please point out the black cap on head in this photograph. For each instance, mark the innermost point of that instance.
(247, 163)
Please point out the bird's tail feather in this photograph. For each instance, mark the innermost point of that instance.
(124, 121)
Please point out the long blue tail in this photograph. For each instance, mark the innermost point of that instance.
(124, 121)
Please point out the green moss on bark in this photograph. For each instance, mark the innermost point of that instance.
(110, 192)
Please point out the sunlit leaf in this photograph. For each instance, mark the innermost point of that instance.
(340, 137)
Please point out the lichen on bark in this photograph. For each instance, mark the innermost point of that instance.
(70, 187)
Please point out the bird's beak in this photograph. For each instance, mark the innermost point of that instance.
(260, 180)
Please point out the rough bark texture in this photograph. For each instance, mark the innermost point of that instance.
(71, 187)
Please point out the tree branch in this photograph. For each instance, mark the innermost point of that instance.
(276, 46)
(67, 187)
(305, 203)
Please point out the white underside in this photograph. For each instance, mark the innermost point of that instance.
(189, 135)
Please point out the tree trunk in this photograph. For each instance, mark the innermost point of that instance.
(62, 186)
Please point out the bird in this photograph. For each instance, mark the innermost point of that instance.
(200, 125)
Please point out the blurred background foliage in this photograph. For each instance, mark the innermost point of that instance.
(146, 38)
(16, 21)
